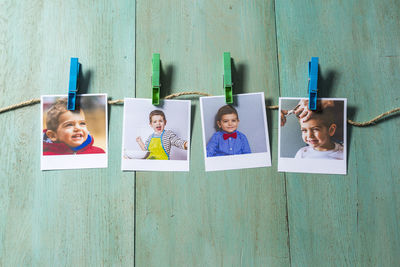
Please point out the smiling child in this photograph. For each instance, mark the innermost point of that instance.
(317, 132)
(228, 140)
(159, 143)
(67, 132)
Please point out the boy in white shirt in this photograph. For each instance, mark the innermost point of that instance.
(317, 133)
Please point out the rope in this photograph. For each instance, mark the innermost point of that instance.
(186, 93)
(21, 105)
(377, 118)
(116, 102)
(121, 102)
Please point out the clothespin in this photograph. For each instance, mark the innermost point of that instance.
(73, 83)
(312, 83)
(155, 80)
(227, 78)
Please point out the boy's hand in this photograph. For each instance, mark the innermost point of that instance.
(185, 145)
(283, 118)
(141, 144)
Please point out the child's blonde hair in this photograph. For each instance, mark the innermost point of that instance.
(55, 111)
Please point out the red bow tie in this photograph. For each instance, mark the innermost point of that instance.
(227, 135)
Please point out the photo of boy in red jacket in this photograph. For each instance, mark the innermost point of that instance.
(67, 132)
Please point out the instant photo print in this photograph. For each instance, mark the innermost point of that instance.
(312, 141)
(156, 138)
(74, 139)
(235, 136)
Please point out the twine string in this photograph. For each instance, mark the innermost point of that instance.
(20, 105)
(186, 93)
(373, 121)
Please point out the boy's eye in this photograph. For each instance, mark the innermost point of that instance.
(83, 123)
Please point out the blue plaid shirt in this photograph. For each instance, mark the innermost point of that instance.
(217, 146)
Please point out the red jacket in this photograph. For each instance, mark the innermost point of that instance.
(87, 147)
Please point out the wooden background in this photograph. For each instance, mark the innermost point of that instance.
(256, 217)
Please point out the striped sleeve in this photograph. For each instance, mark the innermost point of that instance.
(174, 140)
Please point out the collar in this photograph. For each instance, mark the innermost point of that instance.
(223, 132)
(158, 136)
(83, 145)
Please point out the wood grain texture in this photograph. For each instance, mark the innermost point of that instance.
(74, 217)
(346, 220)
(230, 218)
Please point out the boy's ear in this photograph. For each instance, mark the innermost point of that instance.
(219, 124)
(332, 129)
(52, 135)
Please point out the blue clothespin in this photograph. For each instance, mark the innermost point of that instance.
(312, 83)
(73, 83)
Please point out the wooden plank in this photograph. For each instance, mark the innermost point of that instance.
(75, 217)
(346, 220)
(230, 218)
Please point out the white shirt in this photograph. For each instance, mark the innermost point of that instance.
(310, 153)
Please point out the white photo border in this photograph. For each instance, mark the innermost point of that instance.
(82, 161)
(322, 166)
(155, 165)
(252, 160)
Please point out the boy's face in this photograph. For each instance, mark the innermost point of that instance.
(228, 123)
(71, 130)
(158, 123)
(317, 135)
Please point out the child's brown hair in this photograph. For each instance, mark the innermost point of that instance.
(55, 111)
(224, 110)
(157, 112)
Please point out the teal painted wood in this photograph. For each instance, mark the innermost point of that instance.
(346, 220)
(74, 217)
(86, 217)
(230, 218)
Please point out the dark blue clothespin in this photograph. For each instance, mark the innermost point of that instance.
(73, 83)
(312, 83)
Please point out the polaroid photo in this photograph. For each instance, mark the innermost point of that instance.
(235, 136)
(156, 138)
(74, 139)
(312, 141)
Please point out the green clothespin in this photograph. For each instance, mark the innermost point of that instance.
(227, 78)
(155, 80)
